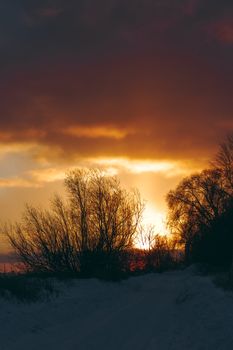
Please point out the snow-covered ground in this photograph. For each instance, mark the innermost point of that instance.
(175, 310)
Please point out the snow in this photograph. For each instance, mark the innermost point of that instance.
(173, 310)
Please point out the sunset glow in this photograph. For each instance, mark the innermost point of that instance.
(152, 217)
(96, 132)
(116, 174)
(140, 90)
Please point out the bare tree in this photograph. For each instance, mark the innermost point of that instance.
(145, 237)
(43, 240)
(195, 204)
(99, 222)
(158, 250)
(201, 209)
(106, 215)
(224, 162)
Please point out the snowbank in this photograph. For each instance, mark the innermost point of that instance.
(175, 310)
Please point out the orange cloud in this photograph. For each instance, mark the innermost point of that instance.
(17, 182)
(96, 132)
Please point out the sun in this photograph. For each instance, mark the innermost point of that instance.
(153, 223)
(155, 218)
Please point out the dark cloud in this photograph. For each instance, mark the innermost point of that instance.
(161, 68)
(39, 28)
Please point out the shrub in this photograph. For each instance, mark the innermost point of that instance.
(87, 235)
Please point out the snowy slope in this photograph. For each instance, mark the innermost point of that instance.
(175, 310)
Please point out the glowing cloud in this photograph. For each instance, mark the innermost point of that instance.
(96, 132)
(17, 182)
(170, 168)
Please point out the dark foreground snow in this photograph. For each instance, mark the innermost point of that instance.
(175, 310)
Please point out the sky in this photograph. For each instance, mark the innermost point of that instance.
(142, 88)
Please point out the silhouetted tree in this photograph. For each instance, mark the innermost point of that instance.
(194, 204)
(200, 210)
(224, 162)
(158, 250)
(105, 215)
(44, 239)
(87, 234)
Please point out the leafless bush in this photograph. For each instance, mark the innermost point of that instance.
(87, 234)
(160, 252)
